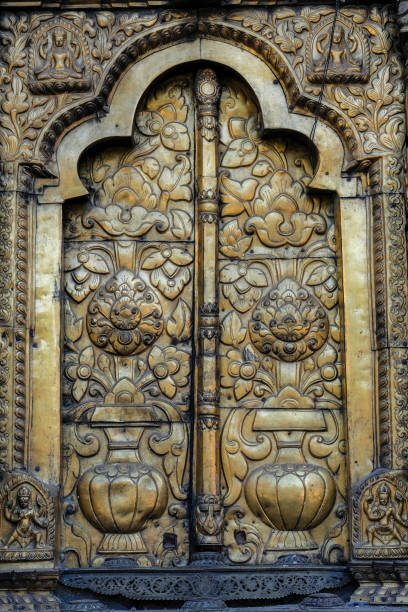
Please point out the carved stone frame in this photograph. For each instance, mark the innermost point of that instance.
(376, 350)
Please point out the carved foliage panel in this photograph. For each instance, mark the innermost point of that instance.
(280, 363)
(128, 279)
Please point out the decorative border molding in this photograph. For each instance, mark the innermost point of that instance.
(222, 582)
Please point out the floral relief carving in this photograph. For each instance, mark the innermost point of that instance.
(84, 268)
(149, 187)
(280, 364)
(170, 269)
(125, 316)
(289, 322)
(283, 213)
(242, 284)
(128, 334)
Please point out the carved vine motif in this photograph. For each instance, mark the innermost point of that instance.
(280, 355)
(370, 116)
(28, 520)
(128, 333)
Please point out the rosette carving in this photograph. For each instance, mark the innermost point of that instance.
(289, 322)
(125, 316)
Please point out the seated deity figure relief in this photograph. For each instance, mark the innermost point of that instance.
(387, 517)
(61, 57)
(340, 52)
(343, 51)
(30, 518)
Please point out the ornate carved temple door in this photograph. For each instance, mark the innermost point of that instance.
(202, 402)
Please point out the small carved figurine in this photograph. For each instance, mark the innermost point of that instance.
(209, 518)
(59, 59)
(385, 515)
(341, 51)
(62, 57)
(346, 53)
(31, 518)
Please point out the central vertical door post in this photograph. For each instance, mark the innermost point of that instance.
(208, 504)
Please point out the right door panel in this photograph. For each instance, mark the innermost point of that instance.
(282, 410)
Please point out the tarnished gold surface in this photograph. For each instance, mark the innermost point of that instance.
(283, 447)
(203, 311)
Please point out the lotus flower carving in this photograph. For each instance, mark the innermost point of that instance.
(284, 213)
(125, 315)
(289, 323)
(125, 204)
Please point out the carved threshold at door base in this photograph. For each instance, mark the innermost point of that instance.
(223, 583)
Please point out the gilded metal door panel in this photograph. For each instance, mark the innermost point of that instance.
(282, 441)
(129, 276)
(153, 285)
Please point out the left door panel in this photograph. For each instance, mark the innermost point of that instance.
(128, 330)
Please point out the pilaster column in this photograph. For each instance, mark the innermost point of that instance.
(208, 508)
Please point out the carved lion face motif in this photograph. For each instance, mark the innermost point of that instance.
(289, 323)
(125, 316)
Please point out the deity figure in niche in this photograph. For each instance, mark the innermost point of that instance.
(30, 518)
(61, 55)
(386, 516)
(341, 53)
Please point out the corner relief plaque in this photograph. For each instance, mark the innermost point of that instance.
(380, 518)
(59, 59)
(27, 520)
(347, 57)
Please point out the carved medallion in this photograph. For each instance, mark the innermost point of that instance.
(59, 59)
(125, 316)
(289, 323)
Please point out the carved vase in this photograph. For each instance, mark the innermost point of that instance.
(121, 496)
(290, 495)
